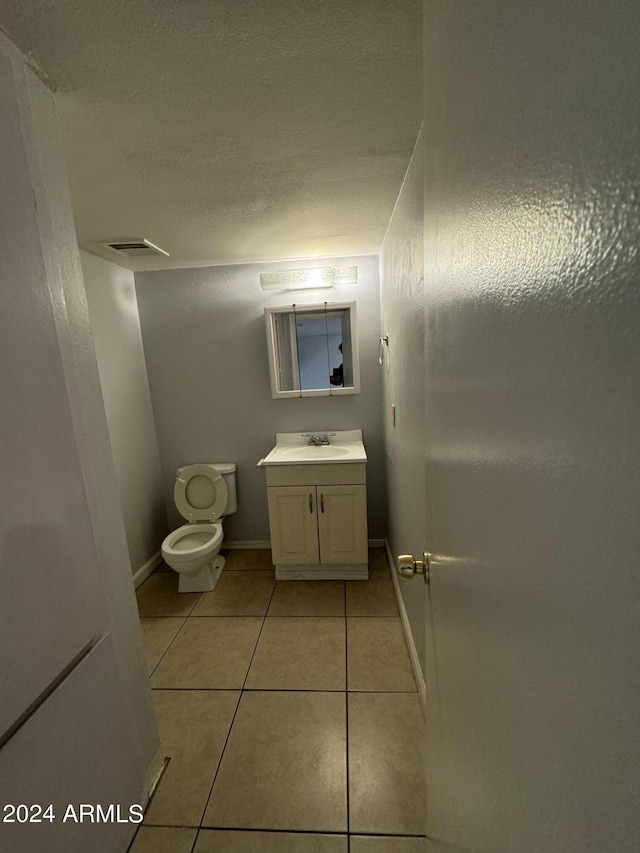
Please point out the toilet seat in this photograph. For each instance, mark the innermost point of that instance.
(200, 493)
(206, 538)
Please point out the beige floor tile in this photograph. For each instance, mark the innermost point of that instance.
(158, 633)
(209, 652)
(194, 722)
(308, 598)
(193, 727)
(377, 656)
(386, 766)
(378, 559)
(159, 596)
(300, 653)
(238, 594)
(236, 841)
(386, 844)
(181, 796)
(240, 559)
(163, 839)
(284, 766)
(375, 597)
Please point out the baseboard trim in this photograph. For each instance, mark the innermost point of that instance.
(316, 571)
(406, 627)
(144, 571)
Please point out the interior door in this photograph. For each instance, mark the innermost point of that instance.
(531, 516)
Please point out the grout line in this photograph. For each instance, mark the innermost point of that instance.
(388, 835)
(227, 616)
(242, 690)
(215, 775)
(162, 657)
(307, 616)
(279, 830)
(275, 616)
(255, 648)
(133, 840)
(195, 838)
(286, 690)
(261, 615)
(164, 616)
(195, 603)
(346, 716)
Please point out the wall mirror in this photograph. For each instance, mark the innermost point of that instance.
(313, 350)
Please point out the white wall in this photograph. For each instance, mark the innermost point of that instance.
(532, 291)
(205, 346)
(68, 616)
(402, 297)
(115, 324)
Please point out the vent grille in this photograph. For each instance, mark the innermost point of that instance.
(134, 248)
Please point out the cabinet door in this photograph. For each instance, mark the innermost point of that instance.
(342, 524)
(294, 525)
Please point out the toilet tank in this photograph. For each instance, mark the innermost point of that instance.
(228, 471)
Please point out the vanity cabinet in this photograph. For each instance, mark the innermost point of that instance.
(318, 521)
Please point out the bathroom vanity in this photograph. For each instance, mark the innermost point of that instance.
(318, 506)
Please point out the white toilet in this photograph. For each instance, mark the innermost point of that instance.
(203, 494)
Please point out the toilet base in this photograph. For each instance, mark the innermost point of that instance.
(205, 579)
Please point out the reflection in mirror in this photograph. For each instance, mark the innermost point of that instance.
(312, 350)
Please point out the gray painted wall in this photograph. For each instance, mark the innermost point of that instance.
(402, 297)
(115, 324)
(532, 290)
(205, 347)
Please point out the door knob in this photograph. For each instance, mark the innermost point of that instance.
(408, 567)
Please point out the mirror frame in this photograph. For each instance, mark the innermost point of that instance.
(272, 349)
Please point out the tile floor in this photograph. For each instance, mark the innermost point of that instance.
(289, 712)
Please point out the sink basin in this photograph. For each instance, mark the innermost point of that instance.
(294, 449)
(311, 451)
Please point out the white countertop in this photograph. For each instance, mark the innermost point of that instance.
(293, 448)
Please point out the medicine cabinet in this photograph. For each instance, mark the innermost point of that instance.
(313, 350)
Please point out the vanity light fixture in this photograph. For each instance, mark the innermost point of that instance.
(310, 278)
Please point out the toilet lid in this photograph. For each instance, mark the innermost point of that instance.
(200, 493)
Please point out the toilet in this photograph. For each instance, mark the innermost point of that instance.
(203, 494)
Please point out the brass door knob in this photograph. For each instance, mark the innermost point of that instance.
(408, 567)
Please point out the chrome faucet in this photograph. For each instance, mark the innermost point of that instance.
(316, 440)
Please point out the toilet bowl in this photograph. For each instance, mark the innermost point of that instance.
(194, 554)
(203, 494)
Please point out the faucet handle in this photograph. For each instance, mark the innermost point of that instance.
(326, 436)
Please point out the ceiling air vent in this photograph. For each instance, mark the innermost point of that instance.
(135, 248)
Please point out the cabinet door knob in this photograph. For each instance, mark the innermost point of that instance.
(321, 502)
(310, 502)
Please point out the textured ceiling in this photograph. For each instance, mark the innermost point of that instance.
(230, 130)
